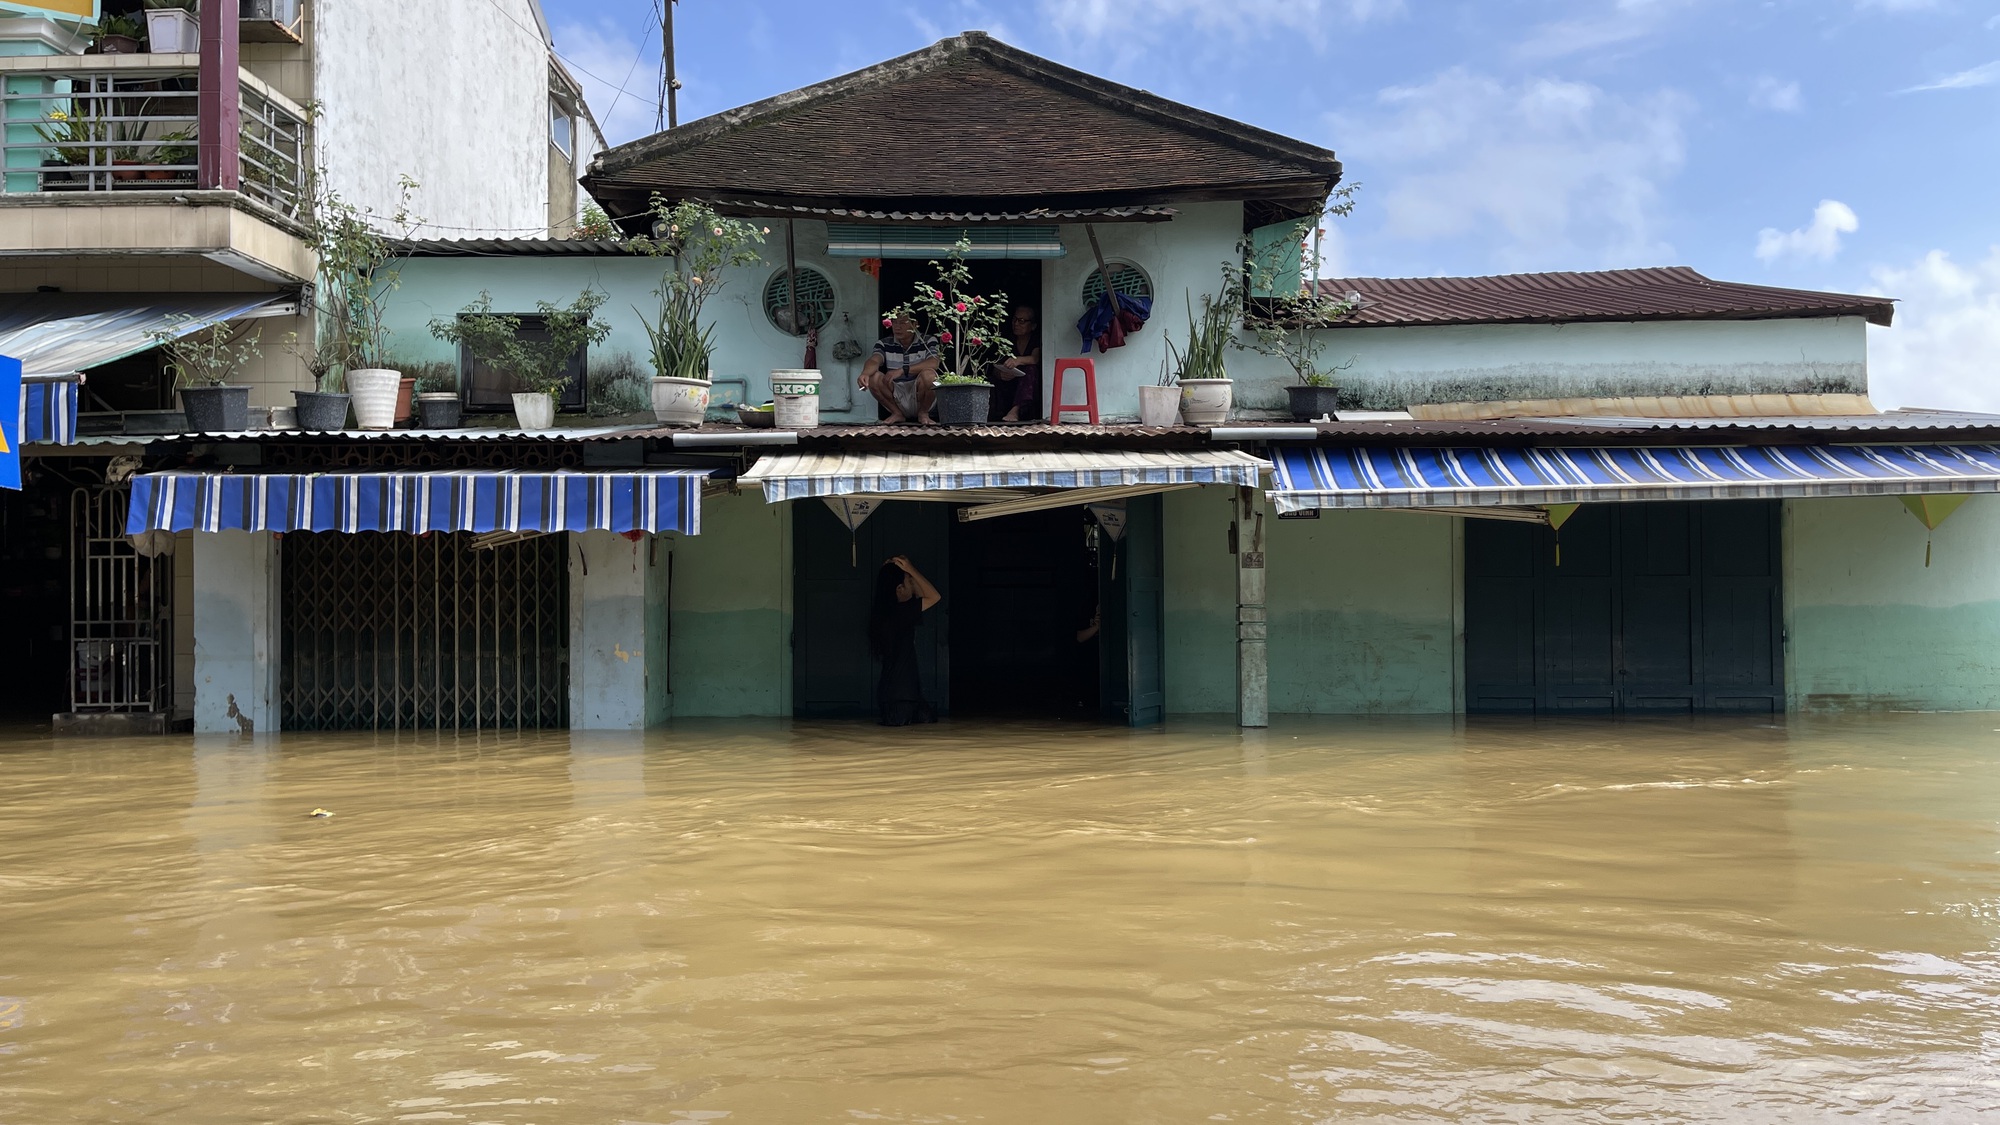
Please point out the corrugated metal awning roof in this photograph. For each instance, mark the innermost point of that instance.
(1311, 477)
(63, 333)
(798, 475)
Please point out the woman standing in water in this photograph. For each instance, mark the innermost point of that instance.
(902, 594)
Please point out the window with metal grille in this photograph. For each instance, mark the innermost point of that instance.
(391, 631)
(487, 389)
(1130, 280)
(121, 621)
(815, 300)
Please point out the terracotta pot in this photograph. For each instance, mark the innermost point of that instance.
(404, 391)
(126, 174)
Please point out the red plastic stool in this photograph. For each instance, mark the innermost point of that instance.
(1088, 407)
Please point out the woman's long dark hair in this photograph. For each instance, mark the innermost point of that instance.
(882, 616)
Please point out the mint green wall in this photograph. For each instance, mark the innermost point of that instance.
(1361, 613)
(731, 620)
(1871, 627)
(1361, 610)
(1200, 602)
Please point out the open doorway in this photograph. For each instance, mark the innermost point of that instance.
(1022, 639)
(1019, 280)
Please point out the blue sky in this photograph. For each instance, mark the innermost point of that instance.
(1836, 144)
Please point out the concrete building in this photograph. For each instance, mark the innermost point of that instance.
(166, 184)
(1632, 492)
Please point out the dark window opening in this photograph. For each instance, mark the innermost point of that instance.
(489, 390)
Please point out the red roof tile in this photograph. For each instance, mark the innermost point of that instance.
(1665, 293)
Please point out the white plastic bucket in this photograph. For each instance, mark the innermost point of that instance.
(373, 390)
(796, 395)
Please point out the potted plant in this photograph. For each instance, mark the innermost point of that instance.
(438, 404)
(354, 262)
(176, 150)
(324, 408)
(117, 35)
(171, 27)
(201, 362)
(700, 246)
(540, 367)
(1206, 391)
(71, 138)
(968, 327)
(1288, 326)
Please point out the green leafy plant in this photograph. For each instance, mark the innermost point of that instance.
(206, 357)
(357, 268)
(617, 386)
(322, 359)
(1209, 334)
(594, 224)
(539, 366)
(1286, 326)
(183, 5)
(968, 324)
(175, 148)
(123, 24)
(433, 376)
(701, 247)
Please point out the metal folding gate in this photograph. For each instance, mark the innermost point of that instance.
(120, 621)
(431, 631)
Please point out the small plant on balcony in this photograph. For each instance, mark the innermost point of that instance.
(539, 366)
(70, 135)
(700, 246)
(206, 357)
(969, 325)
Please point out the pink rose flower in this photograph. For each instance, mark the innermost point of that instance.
(945, 337)
(961, 306)
(938, 294)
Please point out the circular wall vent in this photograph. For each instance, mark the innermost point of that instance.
(815, 300)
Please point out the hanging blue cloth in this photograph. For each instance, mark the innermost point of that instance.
(1107, 331)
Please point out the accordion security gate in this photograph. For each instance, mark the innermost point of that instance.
(396, 631)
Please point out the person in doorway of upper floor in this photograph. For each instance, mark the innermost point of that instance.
(1017, 377)
(902, 594)
(902, 371)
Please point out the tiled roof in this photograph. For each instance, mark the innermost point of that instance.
(967, 124)
(1665, 293)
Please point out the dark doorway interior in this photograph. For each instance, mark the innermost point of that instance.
(1027, 589)
(1021, 281)
(34, 585)
(1653, 608)
(833, 675)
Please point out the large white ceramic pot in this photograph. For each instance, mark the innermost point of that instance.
(1206, 402)
(535, 411)
(374, 391)
(1159, 406)
(680, 402)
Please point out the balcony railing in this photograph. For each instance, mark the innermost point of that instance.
(121, 123)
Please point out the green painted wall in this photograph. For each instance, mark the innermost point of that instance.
(1200, 602)
(1361, 613)
(731, 617)
(1361, 610)
(1871, 627)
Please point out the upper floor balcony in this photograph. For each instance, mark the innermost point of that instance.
(121, 155)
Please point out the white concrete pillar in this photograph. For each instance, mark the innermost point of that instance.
(235, 632)
(1253, 677)
(617, 631)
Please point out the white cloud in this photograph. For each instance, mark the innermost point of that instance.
(1238, 19)
(1818, 240)
(1944, 350)
(1625, 22)
(1783, 97)
(1548, 173)
(620, 75)
(1984, 75)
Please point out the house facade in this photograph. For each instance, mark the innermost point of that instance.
(1639, 491)
(164, 183)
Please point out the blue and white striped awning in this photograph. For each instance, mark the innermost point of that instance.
(798, 476)
(651, 500)
(1442, 478)
(48, 411)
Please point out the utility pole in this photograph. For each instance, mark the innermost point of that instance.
(669, 85)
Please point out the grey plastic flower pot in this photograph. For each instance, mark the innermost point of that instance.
(216, 410)
(1309, 403)
(439, 411)
(321, 410)
(964, 404)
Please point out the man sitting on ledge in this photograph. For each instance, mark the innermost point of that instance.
(902, 372)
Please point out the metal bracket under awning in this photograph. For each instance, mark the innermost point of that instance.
(1065, 498)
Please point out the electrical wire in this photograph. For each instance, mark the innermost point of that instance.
(634, 68)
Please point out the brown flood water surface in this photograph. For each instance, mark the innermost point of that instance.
(1352, 920)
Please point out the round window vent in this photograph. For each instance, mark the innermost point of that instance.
(1130, 279)
(815, 300)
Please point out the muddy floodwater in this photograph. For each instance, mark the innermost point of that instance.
(1334, 920)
